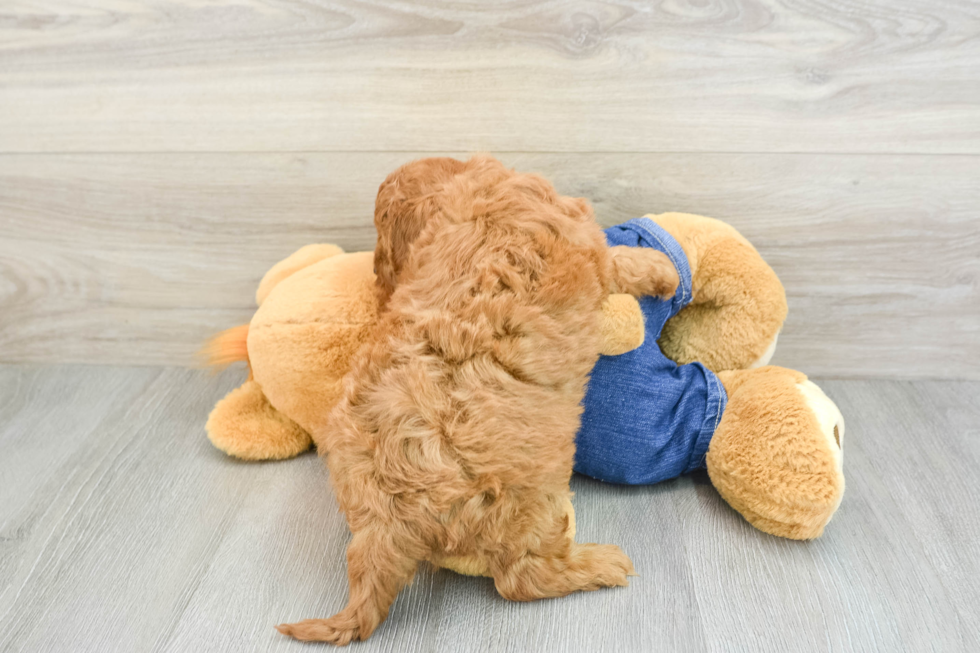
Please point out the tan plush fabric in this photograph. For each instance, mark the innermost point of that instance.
(302, 338)
(621, 325)
(223, 349)
(770, 459)
(302, 258)
(246, 426)
(739, 304)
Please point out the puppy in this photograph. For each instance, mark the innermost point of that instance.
(456, 432)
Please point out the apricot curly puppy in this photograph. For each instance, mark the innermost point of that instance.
(456, 434)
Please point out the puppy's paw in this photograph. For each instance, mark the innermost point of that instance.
(335, 630)
(604, 565)
(613, 567)
(643, 271)
(666, 283)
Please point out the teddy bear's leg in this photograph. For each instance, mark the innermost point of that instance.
(245, 425)
(722, 336)
(738, 304)
(776, 455)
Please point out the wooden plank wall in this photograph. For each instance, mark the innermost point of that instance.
(157, 157)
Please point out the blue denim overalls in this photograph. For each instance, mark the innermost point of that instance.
(646, 418)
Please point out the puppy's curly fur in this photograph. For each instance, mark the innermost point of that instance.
(456, 433)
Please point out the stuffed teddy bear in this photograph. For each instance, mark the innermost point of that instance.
(315, 309)
(683, 383)
(699, 393)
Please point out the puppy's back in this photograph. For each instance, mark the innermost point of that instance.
(481, 360)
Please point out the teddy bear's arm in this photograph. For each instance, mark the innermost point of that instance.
(621, 325)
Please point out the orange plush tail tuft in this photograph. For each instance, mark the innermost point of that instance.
(227, 347)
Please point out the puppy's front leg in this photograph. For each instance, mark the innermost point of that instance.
(641, 271)
(377, 570)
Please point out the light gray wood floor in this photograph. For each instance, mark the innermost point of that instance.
(122, 529)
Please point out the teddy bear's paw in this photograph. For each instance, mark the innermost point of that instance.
(245, 425)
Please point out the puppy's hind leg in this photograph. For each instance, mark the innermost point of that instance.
(377, 570)
(558, 566)
(640, 271)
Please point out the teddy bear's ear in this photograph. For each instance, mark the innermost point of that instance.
(301, 258)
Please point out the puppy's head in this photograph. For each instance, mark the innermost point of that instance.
(406, 200)
(425, 191)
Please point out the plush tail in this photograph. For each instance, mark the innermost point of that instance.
(226, 348)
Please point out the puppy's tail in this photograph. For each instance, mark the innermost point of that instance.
(225, 348)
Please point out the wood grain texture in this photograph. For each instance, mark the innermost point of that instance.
(894, 76)
(122, 529)
(136, 259)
